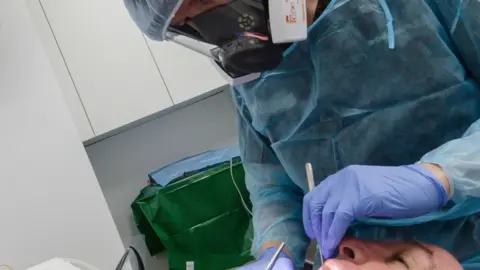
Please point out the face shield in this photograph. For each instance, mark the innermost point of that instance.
(241, 37)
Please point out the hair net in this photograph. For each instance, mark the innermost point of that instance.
(153, 16)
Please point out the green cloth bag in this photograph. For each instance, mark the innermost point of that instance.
(198, 218)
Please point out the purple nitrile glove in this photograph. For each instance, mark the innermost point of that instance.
(283, 262)
(368, 191)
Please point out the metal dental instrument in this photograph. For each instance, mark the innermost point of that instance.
(311, 185)
(275, 257)
(311, 182)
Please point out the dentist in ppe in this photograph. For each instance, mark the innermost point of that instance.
(382, 97)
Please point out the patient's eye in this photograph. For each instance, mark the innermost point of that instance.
(398, 258)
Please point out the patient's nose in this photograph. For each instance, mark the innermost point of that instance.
(353, 250)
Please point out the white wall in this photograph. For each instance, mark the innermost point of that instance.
(65, 81)
(50, 201)
(122, 162)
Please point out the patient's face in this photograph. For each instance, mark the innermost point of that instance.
(357, 254)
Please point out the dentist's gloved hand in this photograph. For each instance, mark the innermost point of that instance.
(283, 262)
(368, 191)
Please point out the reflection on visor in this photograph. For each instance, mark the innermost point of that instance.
(254, 35)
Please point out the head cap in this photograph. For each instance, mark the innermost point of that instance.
(153, 16)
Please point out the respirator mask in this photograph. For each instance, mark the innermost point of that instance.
(242, 37)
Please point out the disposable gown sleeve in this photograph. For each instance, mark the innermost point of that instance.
(276, 200)
(460, 159)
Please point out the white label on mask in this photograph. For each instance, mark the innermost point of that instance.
(288, 20)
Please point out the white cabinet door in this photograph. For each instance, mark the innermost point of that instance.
(187, 74)
(109, 61)
(65, 82)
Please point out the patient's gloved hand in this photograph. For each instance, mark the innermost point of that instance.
(283, 262)
(368, 191)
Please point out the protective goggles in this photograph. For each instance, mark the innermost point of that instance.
(241, 38)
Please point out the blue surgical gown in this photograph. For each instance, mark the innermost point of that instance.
(378, 82)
